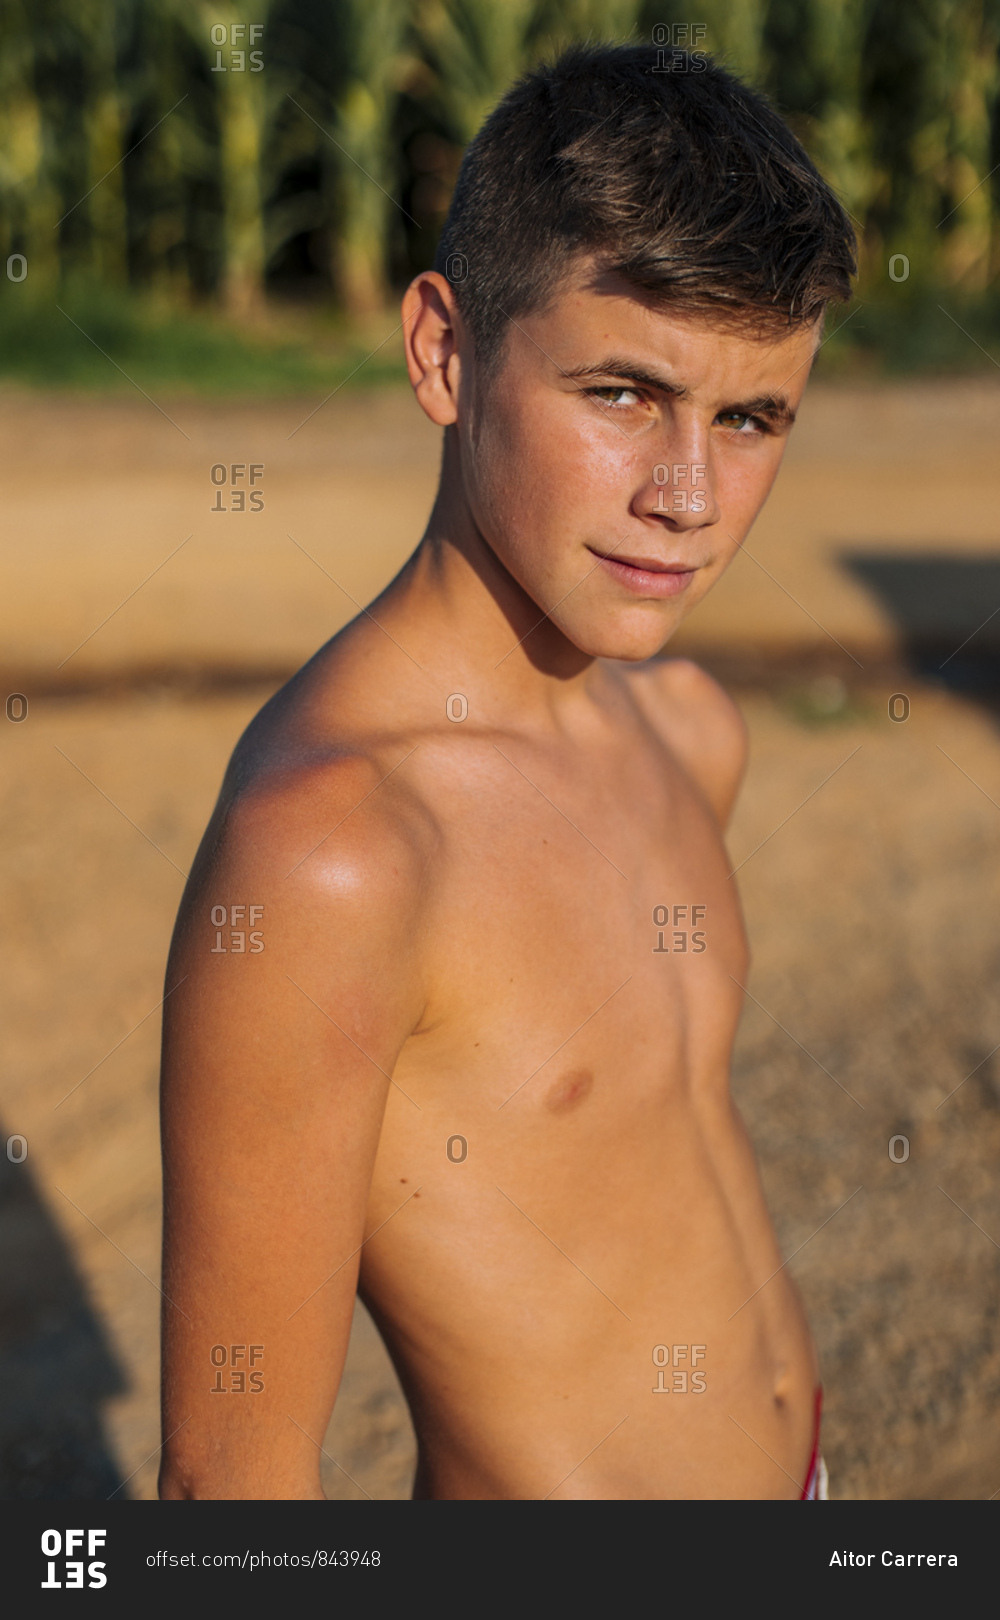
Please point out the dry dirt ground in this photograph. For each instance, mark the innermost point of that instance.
(867, 852)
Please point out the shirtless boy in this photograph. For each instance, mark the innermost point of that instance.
(479, 1070)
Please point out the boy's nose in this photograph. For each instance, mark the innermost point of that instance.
(681, 494)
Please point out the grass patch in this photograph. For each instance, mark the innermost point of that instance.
(825, 701)
(93, 340)
(916, 332)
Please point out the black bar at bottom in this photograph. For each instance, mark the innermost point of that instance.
(463, 1554)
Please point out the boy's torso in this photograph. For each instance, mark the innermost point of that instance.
(569, 1254)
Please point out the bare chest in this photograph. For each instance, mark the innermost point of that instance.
(588, 941)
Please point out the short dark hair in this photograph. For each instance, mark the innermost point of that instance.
(669, 170)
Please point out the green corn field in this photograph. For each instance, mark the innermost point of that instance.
(228, 160)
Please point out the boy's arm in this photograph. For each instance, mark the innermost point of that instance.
(277, 1053)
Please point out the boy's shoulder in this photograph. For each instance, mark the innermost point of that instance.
(327, 805)
(316, 841)
(699, 722)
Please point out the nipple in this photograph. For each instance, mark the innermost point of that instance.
(569, 1090)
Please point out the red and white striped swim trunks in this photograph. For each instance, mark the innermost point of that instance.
(814, 1489)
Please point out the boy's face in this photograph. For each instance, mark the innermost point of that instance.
(618, 459)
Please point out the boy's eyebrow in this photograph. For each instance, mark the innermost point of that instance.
(774, 407)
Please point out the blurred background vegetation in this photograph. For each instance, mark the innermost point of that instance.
(216, 197)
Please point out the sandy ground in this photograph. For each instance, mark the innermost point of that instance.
(869, 875)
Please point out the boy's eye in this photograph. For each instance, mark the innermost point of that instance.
(612, 396)
(742, 424)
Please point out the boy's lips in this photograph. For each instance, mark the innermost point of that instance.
(648, 576)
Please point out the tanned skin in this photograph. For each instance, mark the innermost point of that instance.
(459, 1077)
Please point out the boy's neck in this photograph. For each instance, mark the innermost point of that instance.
(467, 622)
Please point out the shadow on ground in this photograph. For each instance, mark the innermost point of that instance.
(947, 608)
(56, 1365)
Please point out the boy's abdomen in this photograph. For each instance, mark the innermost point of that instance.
(596, 1312)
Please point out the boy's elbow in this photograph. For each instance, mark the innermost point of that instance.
(178, 1481)
(173, 1487)
(193, 1480)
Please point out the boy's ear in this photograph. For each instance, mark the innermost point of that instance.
(431, 325)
